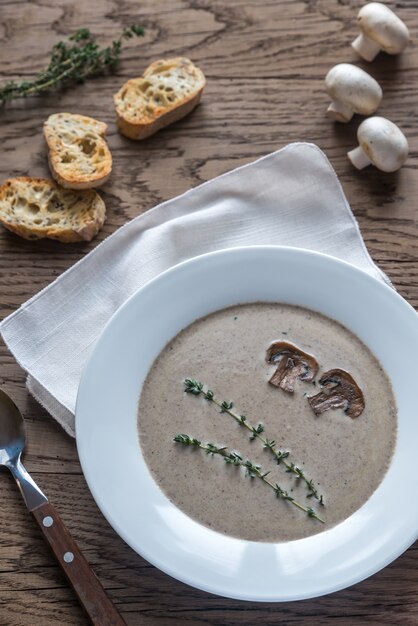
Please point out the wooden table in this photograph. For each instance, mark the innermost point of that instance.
(265, 63)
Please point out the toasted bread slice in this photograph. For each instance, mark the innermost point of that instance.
(78, 154)
(35, 208)
(168, 90)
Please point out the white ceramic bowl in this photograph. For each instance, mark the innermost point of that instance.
(132, 502)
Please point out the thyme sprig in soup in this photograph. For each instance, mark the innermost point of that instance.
(280, 456)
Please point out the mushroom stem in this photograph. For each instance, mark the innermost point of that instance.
(365, 47)
(339, 111)
(359, 158)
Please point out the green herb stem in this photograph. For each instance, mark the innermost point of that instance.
(196, 388)
(71, 62)
(39, 86)
(251, 469)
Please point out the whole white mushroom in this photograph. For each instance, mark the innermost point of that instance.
(352, 91)
(382, 144)
(381, 29)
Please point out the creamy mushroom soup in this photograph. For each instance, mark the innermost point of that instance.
(345, 457)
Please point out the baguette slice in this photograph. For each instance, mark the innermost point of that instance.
(78, 154)
(168, 90)
(35, 208)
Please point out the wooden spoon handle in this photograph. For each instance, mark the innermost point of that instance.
(92, 596)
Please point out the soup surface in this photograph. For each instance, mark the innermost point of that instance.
(347, 458)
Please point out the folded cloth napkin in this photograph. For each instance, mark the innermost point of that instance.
(291, 197)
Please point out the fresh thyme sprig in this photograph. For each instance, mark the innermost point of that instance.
(196, 388)
(251, 469)
(71, 62)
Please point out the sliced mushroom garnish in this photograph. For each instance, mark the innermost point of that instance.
(293, 364)
(339, 391)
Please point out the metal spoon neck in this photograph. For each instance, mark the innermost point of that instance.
(30, 491)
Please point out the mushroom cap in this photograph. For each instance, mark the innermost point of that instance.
(383, 142)
(384, 27)
(353, 86)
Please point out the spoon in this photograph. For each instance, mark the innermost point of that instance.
(98, 606)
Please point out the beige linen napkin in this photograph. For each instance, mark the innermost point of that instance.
(291, 197)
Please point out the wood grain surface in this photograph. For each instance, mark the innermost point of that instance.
(265, 62)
